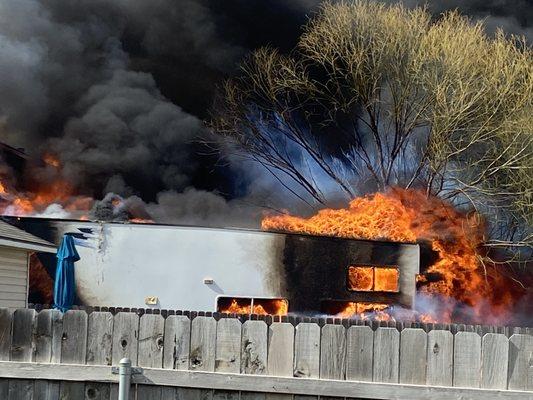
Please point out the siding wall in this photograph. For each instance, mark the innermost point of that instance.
(13, 277)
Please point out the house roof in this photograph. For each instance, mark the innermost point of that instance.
(10, 149)
(11, 236)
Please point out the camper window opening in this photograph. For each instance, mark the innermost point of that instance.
(366, 278)
(249, 305)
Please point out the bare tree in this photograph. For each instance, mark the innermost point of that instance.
(376, 96)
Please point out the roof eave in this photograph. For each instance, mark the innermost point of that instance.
(27, 246)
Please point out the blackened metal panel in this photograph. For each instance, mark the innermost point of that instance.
(316, 270)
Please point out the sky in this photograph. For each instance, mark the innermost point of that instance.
(119, 89)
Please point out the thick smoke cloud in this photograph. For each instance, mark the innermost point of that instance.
(117, 89)
(76, 94)
(126, 126)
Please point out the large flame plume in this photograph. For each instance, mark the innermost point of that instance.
(55, 197)
(459, 284)
(45, 197)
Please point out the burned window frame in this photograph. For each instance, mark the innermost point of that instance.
(351, 288)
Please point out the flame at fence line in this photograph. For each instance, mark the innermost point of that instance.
(278, 307)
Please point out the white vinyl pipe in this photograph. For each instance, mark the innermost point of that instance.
(124, 379)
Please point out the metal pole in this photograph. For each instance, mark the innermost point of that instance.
(124, 379)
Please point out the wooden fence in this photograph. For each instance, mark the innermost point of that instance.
(208, 358)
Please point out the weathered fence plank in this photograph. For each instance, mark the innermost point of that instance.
(46, 390)
(252, 396)
(440, 358)
(495, 361)
(74, 338)
(125, 337)
(254, 351)
(467, 360)
(6, 320)
(20, 389)
(43, 336)
(113, 393)
(168, 393)
(280, 354)
(71, 390)
(413, 350)
(45, 351)
(226, 395)
(99, 338)
(386, 355)
(228, 346)
(228, 353)
(146, 392)
(359, 353)
(280, 349)
(333, 352)
(177, 342)
(98, 391)
(99, 351)
(151, 330)
(194, 394)
(22, 335)
(73, 350)
(521, 362)
(150, 351)
(203, 340)
(307, 350)
(57, 335)
(4, 387)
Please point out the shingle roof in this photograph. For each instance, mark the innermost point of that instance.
(10, 232)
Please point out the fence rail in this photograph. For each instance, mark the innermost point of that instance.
(351, 361)
(189, 385)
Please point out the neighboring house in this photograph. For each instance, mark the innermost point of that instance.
(16, 246)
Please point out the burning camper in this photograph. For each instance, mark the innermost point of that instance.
(234, 270)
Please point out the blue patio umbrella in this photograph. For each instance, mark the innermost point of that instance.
(64, 286)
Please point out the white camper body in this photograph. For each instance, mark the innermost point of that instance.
(199, 269)
(169, 267)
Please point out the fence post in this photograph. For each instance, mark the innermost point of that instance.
(124, 373)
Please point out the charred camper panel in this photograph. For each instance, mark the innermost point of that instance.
(191, 268)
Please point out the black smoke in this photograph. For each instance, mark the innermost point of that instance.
(118, 90)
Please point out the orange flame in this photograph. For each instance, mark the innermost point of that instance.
(35, 201)
(276, 307)
(141, 221)
(51, 160)
(365, 311)
(407, 216)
